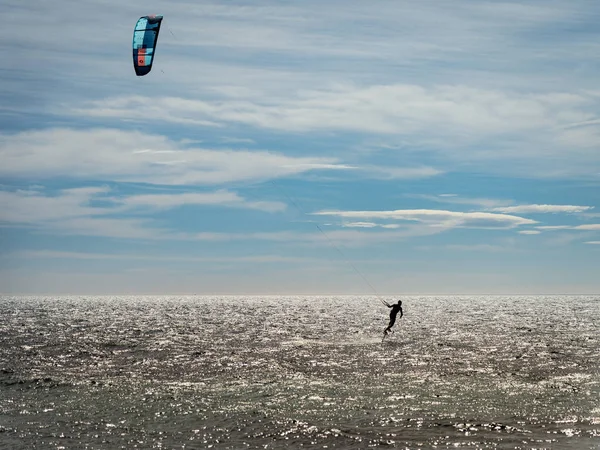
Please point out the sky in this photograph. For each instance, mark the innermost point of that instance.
(315, 147)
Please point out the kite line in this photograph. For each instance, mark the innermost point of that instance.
(293, 202)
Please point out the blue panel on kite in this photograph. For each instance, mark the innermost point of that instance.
(145, 36)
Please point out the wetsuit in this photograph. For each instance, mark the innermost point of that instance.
(397, 308)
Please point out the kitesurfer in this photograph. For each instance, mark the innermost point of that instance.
(397, 308)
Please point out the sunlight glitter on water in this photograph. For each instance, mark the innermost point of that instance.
(142, 372)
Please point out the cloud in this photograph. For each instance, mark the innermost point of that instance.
(140, 157)
(554, 227)
(359, 225)
(436, 218)
(458, 200)
(32, 206)
(593, 242)
(503, 125)
(469, 248)
(530, 232)
(292, 30)
(221, 197)
(347, 238)
(380, 109)
(121, 228)
(586, 227)
(388, 226)
(535, 209)
(53, 254)
(70, 211)
(590, 215)
(278, 48)
(132, 156)
(402, 172)
(449, 87)
(589, 227)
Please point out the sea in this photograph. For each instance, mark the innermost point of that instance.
(310, 372)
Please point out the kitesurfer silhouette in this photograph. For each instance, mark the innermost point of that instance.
(397, 308)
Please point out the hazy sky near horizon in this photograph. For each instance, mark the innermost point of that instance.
(301, 147)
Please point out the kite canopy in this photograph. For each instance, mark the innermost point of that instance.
(145, 36)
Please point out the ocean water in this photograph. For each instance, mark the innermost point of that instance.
(504, 372)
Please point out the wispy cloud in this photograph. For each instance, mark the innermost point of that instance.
(117, 155)
(469, 247)
(33, 206)
(359, 225)
(529, 232)
(537, 209)
(591, 215)
(458, 200)
(431, 119)
(401, 172)
(589, 227)
(348, 238)
(437, 218)
(388, 109)
(132, 156)
(586, 227)
(388, 226)
(52, 254)
(37, 206)
(121, 228)
(221, 197)
(70, 211)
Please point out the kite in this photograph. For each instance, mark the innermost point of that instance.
(145, 36)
